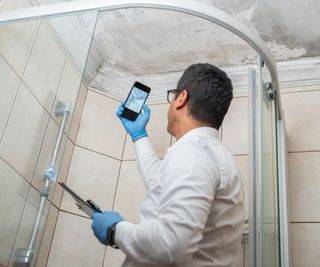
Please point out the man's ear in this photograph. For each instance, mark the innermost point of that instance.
(181, 99)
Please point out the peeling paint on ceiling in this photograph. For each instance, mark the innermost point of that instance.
(149, 41)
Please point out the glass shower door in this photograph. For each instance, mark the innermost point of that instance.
(270, 242)
(265, 238)
(41, 65)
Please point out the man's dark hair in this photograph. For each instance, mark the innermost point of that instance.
(209, 91)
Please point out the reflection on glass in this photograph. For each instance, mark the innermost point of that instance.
(269, 182)
(41, 62)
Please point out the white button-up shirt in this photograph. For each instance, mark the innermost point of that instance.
(193, 212)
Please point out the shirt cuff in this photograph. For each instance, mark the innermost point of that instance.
(123, 231)
(143, 146)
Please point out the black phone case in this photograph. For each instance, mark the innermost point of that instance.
(128, 113)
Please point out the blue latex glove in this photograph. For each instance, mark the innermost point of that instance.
(101, 222)
(136, 129)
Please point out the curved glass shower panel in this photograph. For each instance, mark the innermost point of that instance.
(114, 58)
(41, 69)
(268, 183)
(155, 46)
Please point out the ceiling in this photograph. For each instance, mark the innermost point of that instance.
(149, 41)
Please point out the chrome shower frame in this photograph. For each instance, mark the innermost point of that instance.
(190, 7)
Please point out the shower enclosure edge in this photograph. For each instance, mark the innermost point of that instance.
(191, 7)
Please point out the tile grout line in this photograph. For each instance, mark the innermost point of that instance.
(46, 131)
(97, 152)
(58, 87)
(304, 151)
(20, 80)
(20, 223)
(116, 188)
(53, 233)
(67, 175)
(305, 222)
(119, 171)
(299, 91)
(5, 129)
(80, 118)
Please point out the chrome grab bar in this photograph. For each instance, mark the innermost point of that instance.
(24, 256)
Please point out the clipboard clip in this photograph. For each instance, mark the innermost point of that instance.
(89, 207)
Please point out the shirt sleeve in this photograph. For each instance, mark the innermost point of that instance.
(147, 160)
(186, 198)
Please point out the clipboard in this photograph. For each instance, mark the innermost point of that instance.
(88, 207)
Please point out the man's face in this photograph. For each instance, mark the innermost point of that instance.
(170, 116)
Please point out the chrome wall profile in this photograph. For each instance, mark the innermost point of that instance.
(24, 256)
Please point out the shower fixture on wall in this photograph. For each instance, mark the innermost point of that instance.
(25, 256)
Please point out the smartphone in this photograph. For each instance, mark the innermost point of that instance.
(135, 100)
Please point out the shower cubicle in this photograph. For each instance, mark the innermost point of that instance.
(40, 113)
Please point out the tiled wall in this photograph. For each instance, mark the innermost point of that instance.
(35, 74)
(234, 134)
(104, 168)
(302, 115)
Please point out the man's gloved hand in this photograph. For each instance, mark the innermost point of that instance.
(101, 222)
(136, 129)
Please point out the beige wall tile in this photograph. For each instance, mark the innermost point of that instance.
(25, 131)
(45, 159)
(304, 184)
(77, 112)
(243, 165)
(68, 91)
(130, 192)
(13, 191)
(43, 254)
(44, 68)
(17, 38)
(113, 258)
(92, 176)
(46, 152)
(302, 116)
(9, 85)
(27, 222)
(100, 129)
(157, 131)
(74, 244)
(305, 244)
(129, 153)
(57, 190)
(235, 126)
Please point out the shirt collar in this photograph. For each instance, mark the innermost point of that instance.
(200, 131)
(203, 131)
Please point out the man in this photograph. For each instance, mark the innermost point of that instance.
(193, 211)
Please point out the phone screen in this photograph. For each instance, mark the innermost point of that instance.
(136, 99)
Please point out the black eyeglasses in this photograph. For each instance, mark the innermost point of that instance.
(171, 94)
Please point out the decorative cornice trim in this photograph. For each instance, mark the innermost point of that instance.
(294, 75)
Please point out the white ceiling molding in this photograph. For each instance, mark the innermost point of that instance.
(295, 75)
(299, 75)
